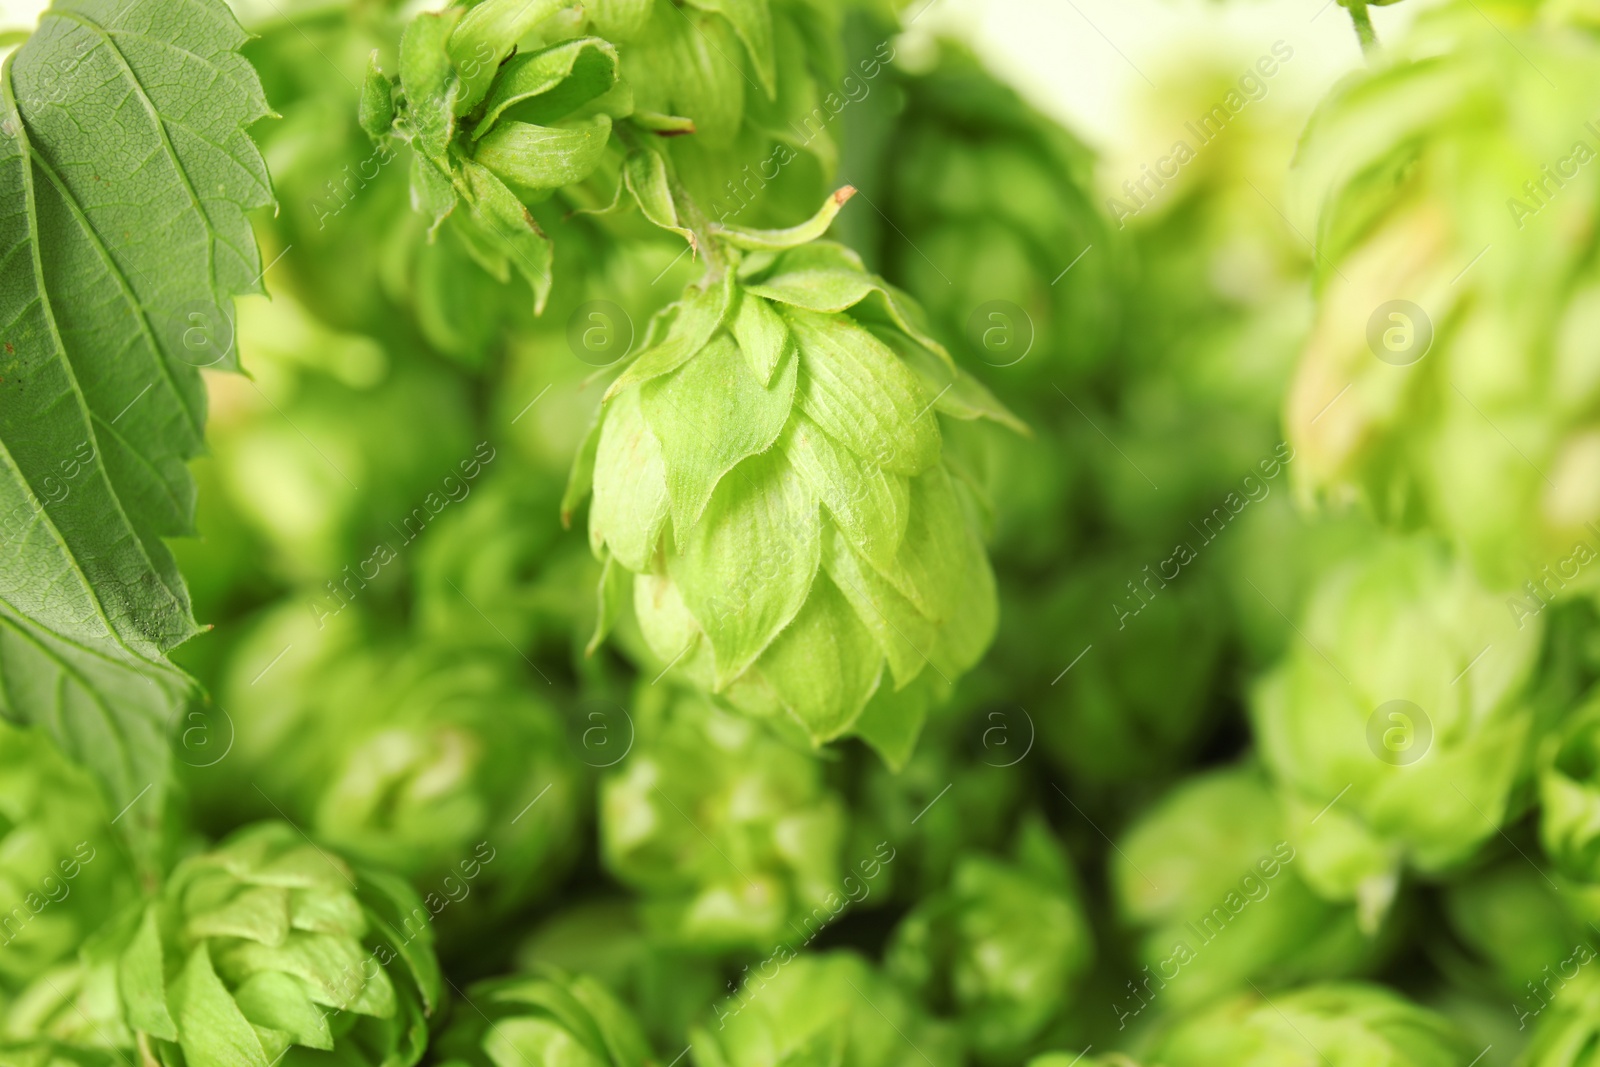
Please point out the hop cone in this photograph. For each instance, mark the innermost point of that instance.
(1471, 387)
(1208, 878)
(729, 833)
(1566, 1026)
(453, 774)
(495, 126)
(1405, 711)
(1522, 928)
(770, 470)
(268, 947)
(552, 1020)
(829, 1010)
(1569, 794)
(432, 760)
(1001, 948)
(667, 985)
(62, 872)
(980, 179)
(1334, 1024)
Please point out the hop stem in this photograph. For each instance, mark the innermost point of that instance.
(1364, 31)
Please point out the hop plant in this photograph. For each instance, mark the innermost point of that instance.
(1401, 726)
(1001, 948)
(268, 947)
(770, 472)
(62, 872)
(1208, 878)
(1334, 1023)
(550, 1019)
(728, 833)
(1471, 386)
(821, 1011)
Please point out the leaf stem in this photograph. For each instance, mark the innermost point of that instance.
(1364, 31)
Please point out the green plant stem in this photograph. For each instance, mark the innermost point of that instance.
(1364, 31)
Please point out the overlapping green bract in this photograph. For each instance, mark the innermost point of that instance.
(1334, 1023)
(62, 872)
(729, 835)
(268, 946)
(126, 174)
(770, 471)
(546, 1020)
(822, 1010)
(1401, 725)
(1465, 149)
(1002, 948)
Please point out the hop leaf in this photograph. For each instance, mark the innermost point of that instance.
(770, 469)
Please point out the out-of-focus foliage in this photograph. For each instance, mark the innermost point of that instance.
(1452, 175)
(1209, 877)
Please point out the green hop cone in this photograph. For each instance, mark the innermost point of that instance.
(62, 871)
(770, 471)
(1524, 931)
(667, 986)
(267, 948)
(546, 1020)
(1002, 947)
(433, 759)
(1400, 726)
(75, 1006)
(728, 833)
(493, 128)
(454, 774)
(1569, 794)
(829, 1010)
(1339, 1024)
(981, 180)
(1566, 1026)
(1471, 386)
(1211, 883)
